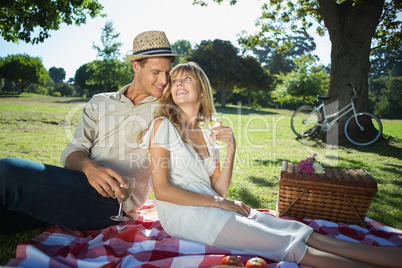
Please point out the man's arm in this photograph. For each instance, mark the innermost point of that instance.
(76, 154)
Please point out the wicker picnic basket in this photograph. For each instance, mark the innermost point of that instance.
(341, 195)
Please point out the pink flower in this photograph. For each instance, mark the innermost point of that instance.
(310, 166)
(302, 164)
(302, 170)
(310, 170)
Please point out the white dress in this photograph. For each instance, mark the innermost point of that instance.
(259, 234)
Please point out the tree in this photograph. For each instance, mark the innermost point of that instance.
(353, 25)
(111, 45)
(57, 74)
(281, 95)
(37, 89)
(89, 83)
(253, 78)
(7, 86)
(83, 80)
(64, 89)
(183, 48)
(220, 61)
(390, 101)
(386, 63)
(71, 81)
(106, 71)
(23, 70)
(19, 19)
(277, 60)
(385, 81)
(302, 84)
(108, 74)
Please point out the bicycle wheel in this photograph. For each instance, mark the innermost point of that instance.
(366, 132)
(304, 121)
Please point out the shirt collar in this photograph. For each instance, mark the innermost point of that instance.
(119, 95)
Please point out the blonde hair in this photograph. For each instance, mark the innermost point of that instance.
(167, 108)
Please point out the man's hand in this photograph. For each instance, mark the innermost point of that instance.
(104, 180)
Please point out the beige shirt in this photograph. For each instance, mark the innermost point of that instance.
(107, 132)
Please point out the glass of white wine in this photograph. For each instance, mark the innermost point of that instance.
(128, 191)
(215, 120)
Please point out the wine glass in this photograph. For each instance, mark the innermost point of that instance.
(128, 191)
(215, 120)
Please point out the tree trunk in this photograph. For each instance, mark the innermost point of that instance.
(223, 97)
(351, 28)
(21, 87)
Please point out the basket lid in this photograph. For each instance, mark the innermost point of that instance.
(333, 175)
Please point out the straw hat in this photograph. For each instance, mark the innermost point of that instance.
(151, 44)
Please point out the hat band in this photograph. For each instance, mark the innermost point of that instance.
(154, 51)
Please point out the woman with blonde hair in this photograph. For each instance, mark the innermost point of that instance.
(190, 188)
(172, 112)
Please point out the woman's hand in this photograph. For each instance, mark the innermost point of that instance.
(221, 178)
(225, 134)
(235, 206)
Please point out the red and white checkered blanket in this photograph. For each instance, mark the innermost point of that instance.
(143, 243)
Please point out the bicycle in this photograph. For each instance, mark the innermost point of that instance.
(306, 120)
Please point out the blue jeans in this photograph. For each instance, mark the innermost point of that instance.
(34, 194)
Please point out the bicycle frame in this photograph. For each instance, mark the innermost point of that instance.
(328, 123)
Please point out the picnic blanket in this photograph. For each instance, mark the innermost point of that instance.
(143, 243)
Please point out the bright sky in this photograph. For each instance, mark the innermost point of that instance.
(71, 46)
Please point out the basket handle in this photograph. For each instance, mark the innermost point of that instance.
(291, 204)
(361, 222)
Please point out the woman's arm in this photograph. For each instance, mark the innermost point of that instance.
(220, 179)
(164, 191)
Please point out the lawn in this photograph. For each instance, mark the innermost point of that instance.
(39, 127)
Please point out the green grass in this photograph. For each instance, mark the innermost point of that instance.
(39, 127)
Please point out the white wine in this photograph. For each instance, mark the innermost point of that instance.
(127, 193)
(215, 120)
(130, 182)
(214, 124)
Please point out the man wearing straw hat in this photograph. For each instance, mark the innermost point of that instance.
(103, 149)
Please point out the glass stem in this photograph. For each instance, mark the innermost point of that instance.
(121, 210)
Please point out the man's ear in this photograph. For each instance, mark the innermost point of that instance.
(136, 66)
